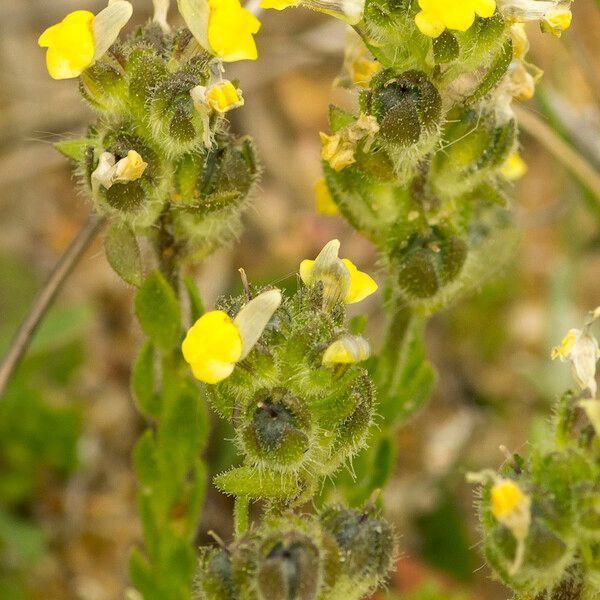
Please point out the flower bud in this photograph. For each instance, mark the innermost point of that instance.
(289, 568)
(277, 432)
(366, 543)
(104, 87)
(145, 70)
(215, 578)
(407, 107)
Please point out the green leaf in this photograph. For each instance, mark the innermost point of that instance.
(141, 574)
(196, 304)
(339, 118)
(123, 253)
(246, 481)
(183, 432)
(445, 48)
(405, 388)
(494, 74)
(158, 311)
(74, 149)
(143, 385)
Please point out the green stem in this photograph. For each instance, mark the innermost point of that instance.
(241, 515)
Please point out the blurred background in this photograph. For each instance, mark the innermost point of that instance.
(67, 422)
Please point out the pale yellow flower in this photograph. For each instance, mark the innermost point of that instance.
(324, 203)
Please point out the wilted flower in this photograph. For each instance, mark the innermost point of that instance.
(108, 172)
(554, 15)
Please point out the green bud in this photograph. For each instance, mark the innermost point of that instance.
(366, 543)
(417, 275)
(145, 70)
(277, 432)
(289, 568)
(407, 107)
(215, 576)
(174, 121)
(104, 87)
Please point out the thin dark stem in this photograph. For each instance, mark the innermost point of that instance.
(42, 302)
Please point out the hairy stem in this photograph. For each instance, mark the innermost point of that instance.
(44, 299)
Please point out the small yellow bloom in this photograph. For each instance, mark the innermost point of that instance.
(506, 498)
(362, 69)
(350, 11)
(215, 343)
(324, 203)
(222, 27)
(563, 350)
(580, 348)
(514, 168)
(437, 15)
(512, 508)
(347, 350)
(339, 149)
(223, 97)
(130, 168)
(81, 38)
(212, 347)
(557, 20)
(341, 279)
(70, 45)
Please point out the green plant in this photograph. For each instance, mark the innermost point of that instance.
(422, 169)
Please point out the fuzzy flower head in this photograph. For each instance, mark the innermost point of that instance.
(350, 11)
(216, 342)
(81, 38)
(342, 281)
(437, 15)
(222, 27)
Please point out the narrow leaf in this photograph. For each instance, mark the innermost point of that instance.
(158, 311)
(196, 304)
(249, 482)
(143, 385)
(73, 149)
(123, 253)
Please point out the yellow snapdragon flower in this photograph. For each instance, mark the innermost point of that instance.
(216, 342)
(350, 11)
(81, 38)
(223, 97)
(347, 350)
(340, 277)
(222, 27)
(437, 15)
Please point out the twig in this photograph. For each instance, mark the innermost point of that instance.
(42, 302)
(561, 150)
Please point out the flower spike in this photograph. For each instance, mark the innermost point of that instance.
(81, 38)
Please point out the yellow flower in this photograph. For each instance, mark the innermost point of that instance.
(514, 168)
(223, 97)
(108, 172)
(81, 38)
(557, 20)
(341, 279)
(212, 347)
(324, 203)
(437, 15)
(222, 27)
(215, 343)
(348, 349)
(506, 498)
(512, 508)
(350, 11)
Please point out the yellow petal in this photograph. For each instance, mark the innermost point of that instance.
(278, 4)
(212, 342)
(506, 497)
(361, 284)
(230, 30)
(324, 202)
(223, 97)
(70, 45)
(485, 8)
(306, 267)
(563, 351)
(348, 349)
(212, 371)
